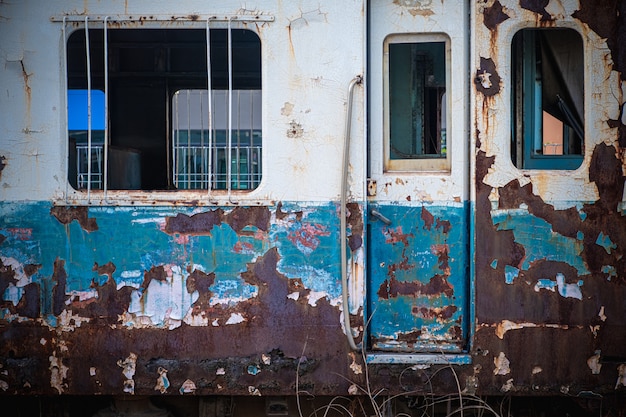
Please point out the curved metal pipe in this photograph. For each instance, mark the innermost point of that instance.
(344, 192)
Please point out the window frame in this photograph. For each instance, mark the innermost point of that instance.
(426, 164)
(108, 196)
(527, 109)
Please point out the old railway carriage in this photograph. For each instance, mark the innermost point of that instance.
(205, 202)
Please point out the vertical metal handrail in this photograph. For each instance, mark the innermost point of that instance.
(343, 233)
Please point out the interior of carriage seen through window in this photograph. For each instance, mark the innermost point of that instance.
(162, 131)
(417, 104)
(548, 99)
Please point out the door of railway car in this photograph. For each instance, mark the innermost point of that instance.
(418, 227)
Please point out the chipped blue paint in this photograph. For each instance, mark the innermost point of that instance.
(564, 289)
(604, 241)
(510, 273)
(540, 242)
(134, 240)
(610, 271)
(494, 264)
(428, 313)
(308, 247)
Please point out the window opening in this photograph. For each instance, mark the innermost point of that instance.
(139, 139)
(548, 101)
(416, 111)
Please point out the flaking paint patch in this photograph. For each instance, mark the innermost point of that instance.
(163, 383)
(58, 373)
(621, 376)
(506, 325)
(128, 366)
(594, 363)
(188, 387)
(502, 365)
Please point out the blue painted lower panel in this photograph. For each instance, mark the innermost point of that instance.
(419, 278)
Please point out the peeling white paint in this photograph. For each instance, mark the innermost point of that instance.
(508, 386)
(220, 371)
(128, 366)
(235, 318)
(92, 371)
(58, 373)
(353, 389)
(162, 383)
(314, 296)
(188, 387)
(501, 365)
(4, 385)
(294, 296)
(68, 322)
(565, 290)
(594, 363)
(536, 370)
(355, 367)
(601, 313)
(266, 359)
(621, 376)
(506, 325)
(254, 391)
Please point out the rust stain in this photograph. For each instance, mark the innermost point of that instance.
(30, 303)
(156, 272)
(355, 224)
(427, 218)
(3, 164)
(606, 17)
(202, 223)
(440, 313)
(110, 303)
(494, 15)
(487, 79)
(282, 215)
(66, 215)
(58, 292)
(241, 217)
(537, 6)
(197, 224)
(201, 282)
(393, 288)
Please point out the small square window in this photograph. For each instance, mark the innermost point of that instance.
(417, 104)
(548, 99)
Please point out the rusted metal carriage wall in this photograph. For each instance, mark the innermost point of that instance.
(178, 293)
(562, 228)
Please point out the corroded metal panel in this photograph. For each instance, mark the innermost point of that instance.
(549, 243)
(112, 300)
(418, 279)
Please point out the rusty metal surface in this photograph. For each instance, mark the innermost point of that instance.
(550, 284)
(190, 295)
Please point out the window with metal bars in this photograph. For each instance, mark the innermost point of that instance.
(164, 109)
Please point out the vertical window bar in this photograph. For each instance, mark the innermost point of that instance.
(251, 175)
(201, 159)
(188, 155)
(209, 108)
(229, 155)
(176, 142)
(67, 148)
(88, 51)
(106, 108)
